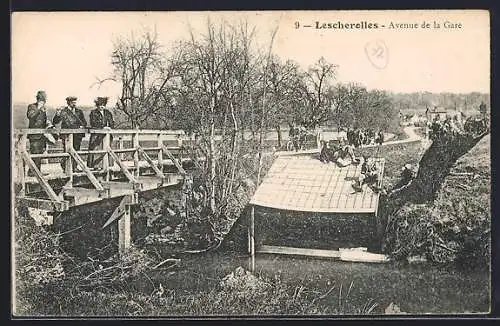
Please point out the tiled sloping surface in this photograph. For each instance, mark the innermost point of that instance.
(303, 183)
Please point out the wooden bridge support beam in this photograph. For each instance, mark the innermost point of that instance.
(41, 180)
(148, 159)
(79, 161)
(123, 213)
(124, 234)
(176, 162)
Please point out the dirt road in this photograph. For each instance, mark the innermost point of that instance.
(410, 132)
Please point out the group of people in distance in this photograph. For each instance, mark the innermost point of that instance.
(338, 152)
(69, 117)
(297, 136)
(360, 137)
(453, 126)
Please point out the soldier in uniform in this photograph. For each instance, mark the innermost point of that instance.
(100, 118)
(71, 117)
(37, 118)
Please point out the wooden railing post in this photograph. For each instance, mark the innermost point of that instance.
(68, 169)
(135, 144)
(120, 146)
(160, 152)
(105, 160)
(179, 144)
(179, 140)
(21, 166)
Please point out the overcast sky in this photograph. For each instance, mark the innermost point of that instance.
(63, 52)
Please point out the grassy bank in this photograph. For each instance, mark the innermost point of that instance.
(282, 286)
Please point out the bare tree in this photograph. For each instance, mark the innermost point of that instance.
(144, 75)
(285, 93)
(318, 79)
(220, 71)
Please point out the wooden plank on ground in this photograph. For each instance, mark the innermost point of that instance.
(265, 249)
(363, 257)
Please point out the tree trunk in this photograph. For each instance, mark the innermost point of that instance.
(242, 131)
(212, 155)
(234, 150)
(434, 166)
(278, 130)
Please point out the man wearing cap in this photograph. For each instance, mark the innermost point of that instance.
(100, 118)
(37, 118)
(71, 117)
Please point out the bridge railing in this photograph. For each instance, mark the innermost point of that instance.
(116, 144)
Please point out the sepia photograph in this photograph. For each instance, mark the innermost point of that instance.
(250, 164)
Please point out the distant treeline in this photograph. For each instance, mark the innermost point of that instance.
(406, 102)
(419, 101)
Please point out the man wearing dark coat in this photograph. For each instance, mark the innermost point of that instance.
(100, 118)
(71, 117)
(380, 137)
(37, 118)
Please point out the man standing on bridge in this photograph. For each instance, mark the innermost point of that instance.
(100, 118)
(37, 118)
(71, 117)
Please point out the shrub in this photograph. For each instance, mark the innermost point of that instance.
(39, 261)
(439, 235)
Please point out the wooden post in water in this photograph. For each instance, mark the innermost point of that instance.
(251, 239)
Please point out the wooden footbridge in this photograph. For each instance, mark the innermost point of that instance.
(132, 161)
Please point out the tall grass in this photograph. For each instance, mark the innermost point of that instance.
(52, 283)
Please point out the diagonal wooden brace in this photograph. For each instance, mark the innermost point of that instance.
(196, 163)
(39, 176)
(85, 169)
(122, 166)
(171, 156)
(121, 209)
(150, 162)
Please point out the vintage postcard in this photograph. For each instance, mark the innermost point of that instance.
(251, 164)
